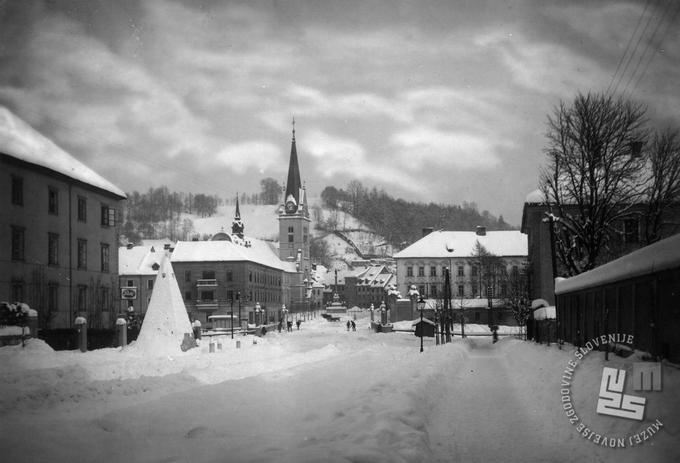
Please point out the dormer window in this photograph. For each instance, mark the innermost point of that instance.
(155, 266)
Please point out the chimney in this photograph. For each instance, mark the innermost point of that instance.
(427, 231)
(481, 231)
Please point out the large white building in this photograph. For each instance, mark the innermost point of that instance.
(422, 264)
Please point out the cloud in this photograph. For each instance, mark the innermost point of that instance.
(544, 67)
(420, 146)
(240, 157)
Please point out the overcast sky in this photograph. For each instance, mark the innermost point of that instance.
(441, 101)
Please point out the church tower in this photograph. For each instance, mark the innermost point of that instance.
(237, 226)
(294, 239)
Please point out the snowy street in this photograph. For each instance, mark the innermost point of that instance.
(318, 394)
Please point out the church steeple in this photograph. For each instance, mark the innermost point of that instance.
(293, 184)
(237, 226)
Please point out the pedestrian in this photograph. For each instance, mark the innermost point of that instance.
(298, 324)
(354, 326)
(289, 324)
(280, 325)
(348, 325)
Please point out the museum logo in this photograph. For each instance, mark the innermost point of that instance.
(613, 399)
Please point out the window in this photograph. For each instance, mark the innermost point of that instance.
(130, 283)
(53, 297)
(474, 270)
(433, 271)
(82, 254)
(105, 257)
(207, 295)
(630, 231)
(17, 291)
(149, 284)
(230, 275)
(187, 275)
(187, 295)
(17, 190)
(461, 290)
(52, 201)
(18, 243)
(82, 209)
(433, 289)
(52, 249)
(208, 274)
(421, 271)
(477, 316)
(504, 289)
(409, 271)
(461, 271)
(108, 216)
(421, 290)
(105, 299)
(82, 298)
(230, 295)
(474, 289)
(250, 276)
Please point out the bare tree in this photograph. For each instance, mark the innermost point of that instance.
(663, 189)
(593, 178)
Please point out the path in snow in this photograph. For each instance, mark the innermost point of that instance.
(482, 417)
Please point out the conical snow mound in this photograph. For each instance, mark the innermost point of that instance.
(166, 320)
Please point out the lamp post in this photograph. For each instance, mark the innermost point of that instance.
(421, 307)
(449, 278)
(232, 315)
(238, 296)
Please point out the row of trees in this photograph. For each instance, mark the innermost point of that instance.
(606, 166)
(400, 221)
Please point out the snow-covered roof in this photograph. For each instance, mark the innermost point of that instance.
(535, 197)
(21, 141)
(258, 251)
(139, 260)
(662, 255)
(435, 244)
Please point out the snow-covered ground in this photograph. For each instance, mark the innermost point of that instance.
(315, 395)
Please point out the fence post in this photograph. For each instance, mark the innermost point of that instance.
(121, 328)
(81, 327)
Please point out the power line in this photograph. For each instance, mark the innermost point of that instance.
(630, 56)
(652, 55)
(630, 40)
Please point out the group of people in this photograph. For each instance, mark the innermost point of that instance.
(289, 325)
(351, 324)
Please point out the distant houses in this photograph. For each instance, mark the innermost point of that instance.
(58, 250)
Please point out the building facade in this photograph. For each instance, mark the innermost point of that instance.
(423, 263)
(60, 240)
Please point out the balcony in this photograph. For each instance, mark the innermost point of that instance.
(206, 283)
(207, 304)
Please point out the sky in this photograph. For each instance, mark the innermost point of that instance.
(433, 101)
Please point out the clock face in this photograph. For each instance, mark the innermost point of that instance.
(290, 206)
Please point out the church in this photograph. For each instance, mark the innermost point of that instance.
(247, 277)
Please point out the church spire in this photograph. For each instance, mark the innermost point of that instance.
(237, 226)
(293, 185)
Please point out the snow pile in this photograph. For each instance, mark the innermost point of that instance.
(166, 321)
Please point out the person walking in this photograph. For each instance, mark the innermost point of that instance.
(354, 326)
(348, 325)
(298, 324)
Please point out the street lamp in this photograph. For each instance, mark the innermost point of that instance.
(238, 296)
(421, 307)
(383, 309)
